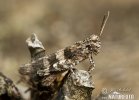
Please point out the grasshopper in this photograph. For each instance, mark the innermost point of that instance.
(46, 73)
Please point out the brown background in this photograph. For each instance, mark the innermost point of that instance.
(60, 23)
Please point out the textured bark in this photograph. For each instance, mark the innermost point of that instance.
(78, 86)
(8, 91)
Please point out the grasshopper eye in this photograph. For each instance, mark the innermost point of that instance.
(89, 47)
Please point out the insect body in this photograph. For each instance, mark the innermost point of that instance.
(72, 55)
(67, 57)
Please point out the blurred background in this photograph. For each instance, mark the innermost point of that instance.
(60, 23)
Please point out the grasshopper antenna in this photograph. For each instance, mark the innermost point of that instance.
(104, 21)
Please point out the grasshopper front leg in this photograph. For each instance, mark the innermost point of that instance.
(92, 66)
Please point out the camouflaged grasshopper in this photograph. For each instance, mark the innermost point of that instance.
(46, 73)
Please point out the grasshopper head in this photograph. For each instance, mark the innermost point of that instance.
(93, 44)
